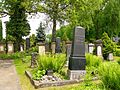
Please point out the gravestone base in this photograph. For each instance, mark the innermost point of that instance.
(77, 63)
(76, 74)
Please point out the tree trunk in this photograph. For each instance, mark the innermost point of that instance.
(54, 30)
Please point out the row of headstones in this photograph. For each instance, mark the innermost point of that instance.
(9, 45)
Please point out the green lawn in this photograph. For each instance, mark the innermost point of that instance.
(26, 85)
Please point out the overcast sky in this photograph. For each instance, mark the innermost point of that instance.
(34, 23)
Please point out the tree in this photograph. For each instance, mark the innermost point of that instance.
(1, 30)
(18, 26)
(40, 34)
(55, 9)
(108, 45)
(32, 40)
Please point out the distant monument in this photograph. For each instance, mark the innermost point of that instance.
(27, 43)
(77, 59)
(58, 47)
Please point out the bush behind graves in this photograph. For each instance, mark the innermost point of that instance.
(108, 46)
(110, 75)
(52, 62)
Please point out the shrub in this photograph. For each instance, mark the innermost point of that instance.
(37, 74)
(93, 62)
(110, 75)
(117, 52)
(51, 62)
(11, 56)
(108, 45)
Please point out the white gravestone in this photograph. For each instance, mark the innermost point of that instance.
(10, 48)
(1, 48)
(99, 51)
(110, 56)
(91, 48)
(41, 49)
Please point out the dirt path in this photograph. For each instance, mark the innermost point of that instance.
(8, 76)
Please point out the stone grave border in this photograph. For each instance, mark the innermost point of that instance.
(37, 84)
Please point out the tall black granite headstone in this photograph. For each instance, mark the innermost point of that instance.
(77, 59)
(27, 43)
(58, 48)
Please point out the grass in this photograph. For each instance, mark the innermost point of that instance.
(26, 85)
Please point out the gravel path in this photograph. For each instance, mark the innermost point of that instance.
(8, 76)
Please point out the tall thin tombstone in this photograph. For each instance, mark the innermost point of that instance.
(77, 59)
(58, 47)
(27, 43)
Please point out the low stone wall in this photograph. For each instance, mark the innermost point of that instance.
(38, 84)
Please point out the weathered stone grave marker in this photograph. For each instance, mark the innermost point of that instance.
(68, 51)
(110, 56)
(91, 48)
(77, 59)
(53, 47)
(10, 47)
(2, 48)
(27, 43)
(41, 47)
(58, 47)
(99, 48)
(33, 60)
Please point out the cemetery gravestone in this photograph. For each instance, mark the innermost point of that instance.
(77, 59)
(41, 48)
(110, 56)
(2, 50)
(58, 47)
(47, 46)
(53, 47)
(21, 48)
(99, 48)
(33, 60)
(91, 48)
(10, 47)
(68, 51)
(27, 43)
(86, 48)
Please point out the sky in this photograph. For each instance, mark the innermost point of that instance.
(34, 22)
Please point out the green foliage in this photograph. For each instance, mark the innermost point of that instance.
(65, 32)
(52, 62)
(110, 75)
(41, 33)
(16, 55)
(37, 74)
(93, 62)
(32, 40)
(117, 52)
(32, 49)
(18, 25)
(108, 45)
